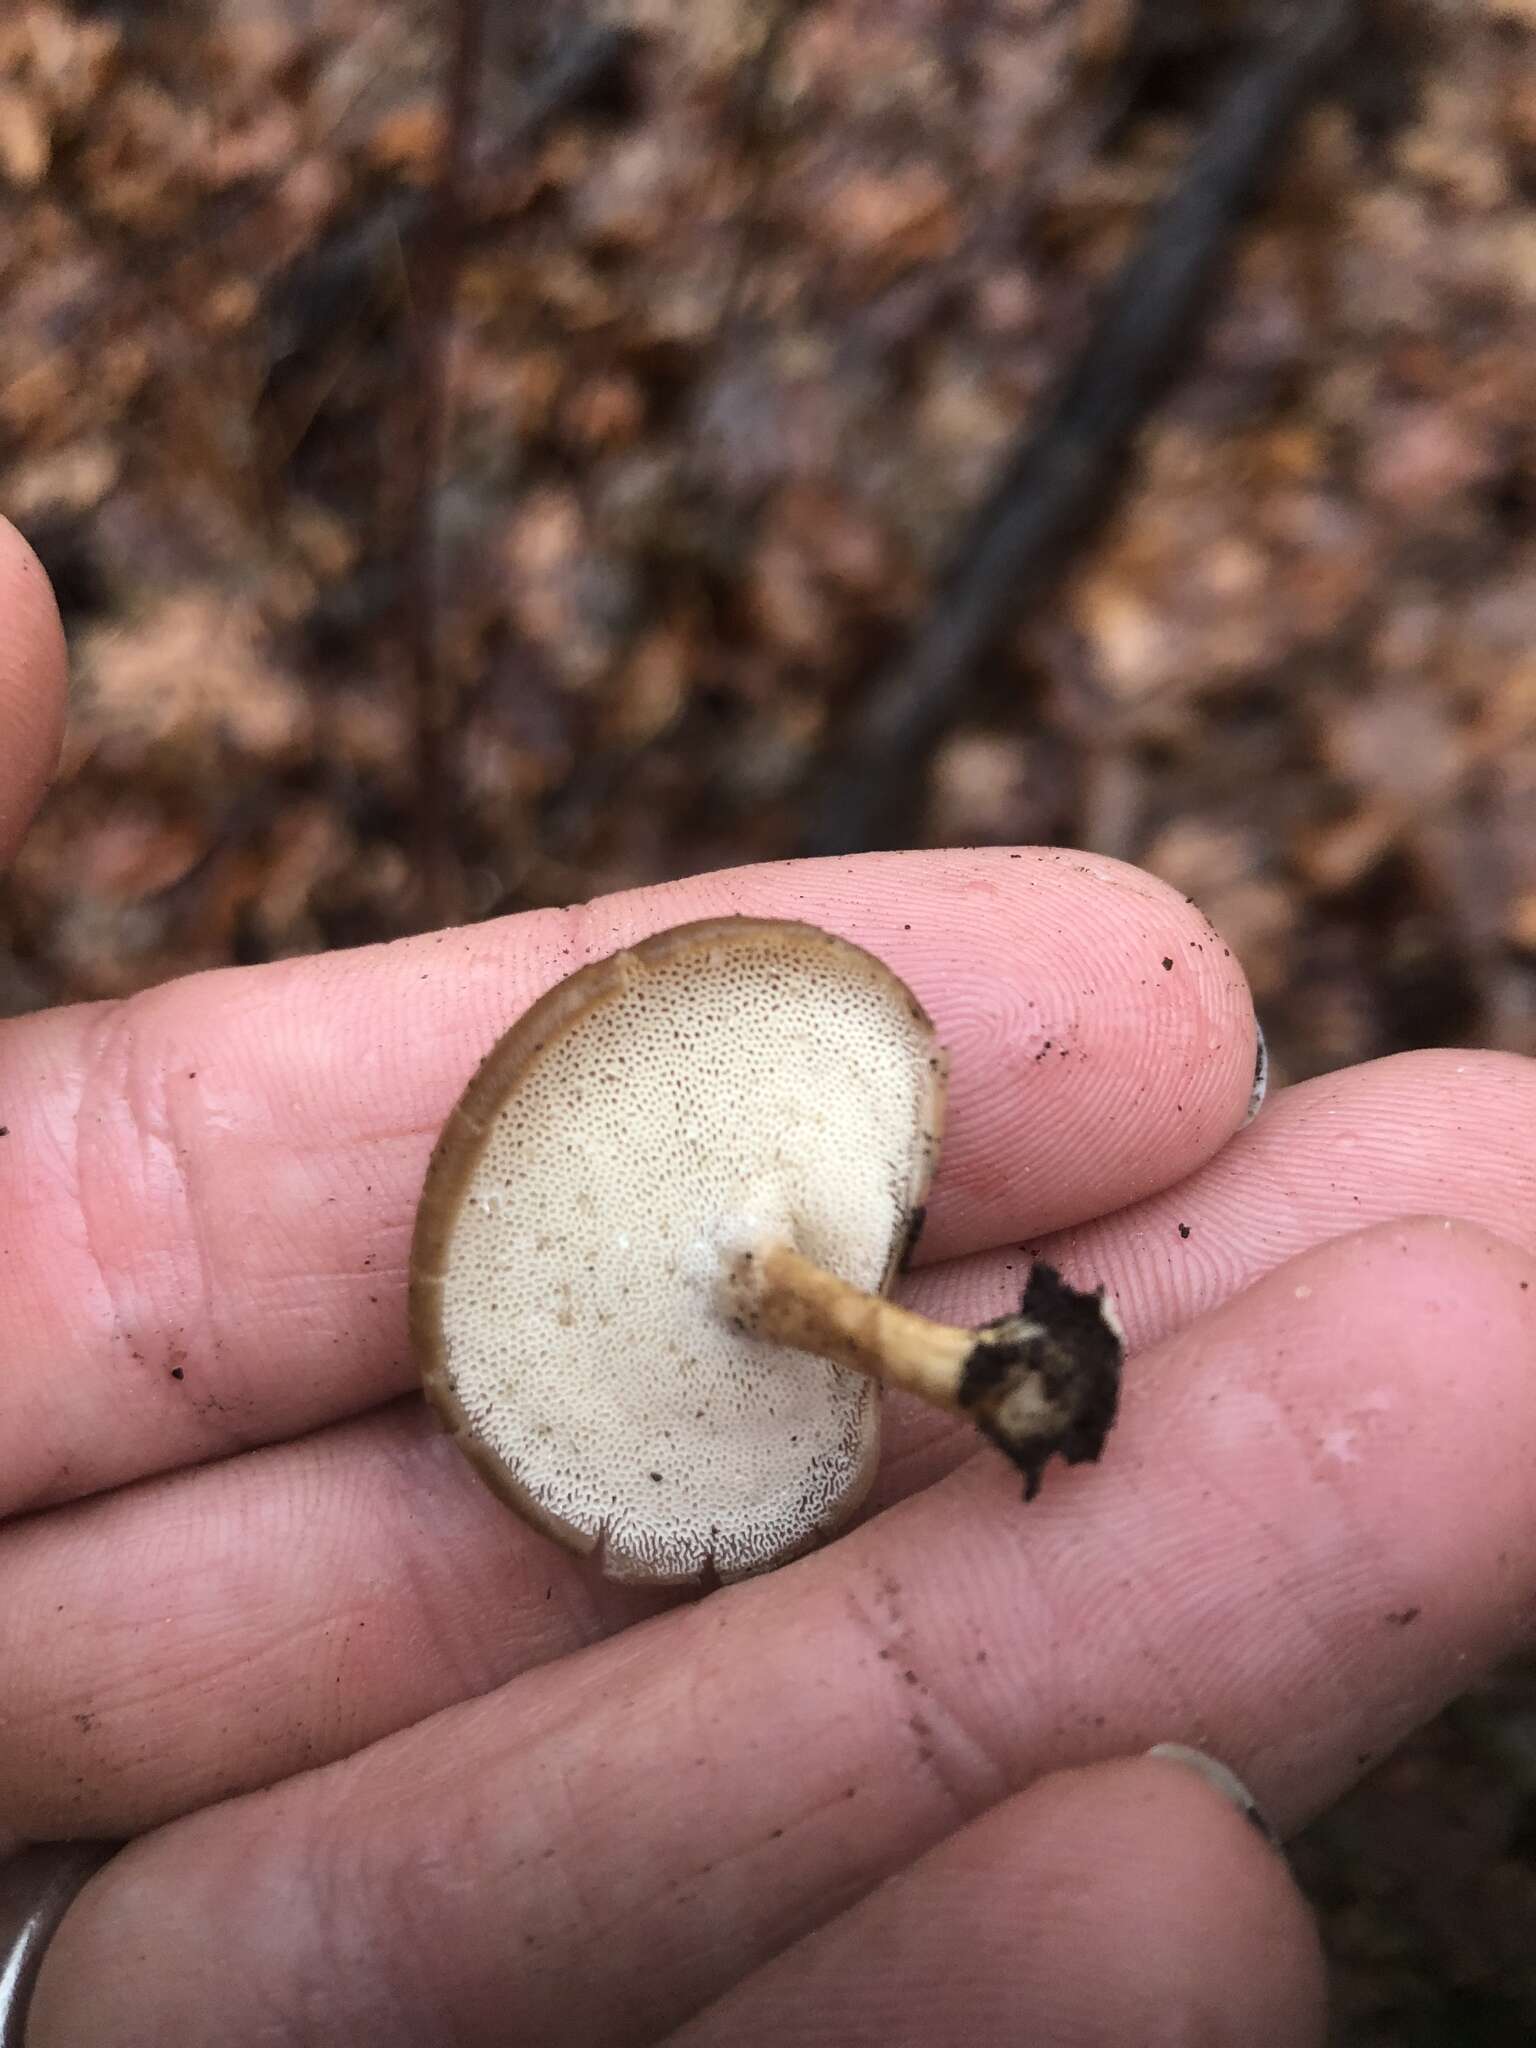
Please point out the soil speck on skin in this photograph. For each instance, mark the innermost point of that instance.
(1167, 965)
(1183, 1230)
(924, 1733)
(178, 1372)
(5, 1130)
(1402, 1617)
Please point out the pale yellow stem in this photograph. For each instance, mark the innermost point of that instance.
(778, 1294)
(1043, 1382)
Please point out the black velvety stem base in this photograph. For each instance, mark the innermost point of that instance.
(1046, 1382)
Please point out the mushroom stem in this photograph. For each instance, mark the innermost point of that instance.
(1038, 1383)
(781, 1295)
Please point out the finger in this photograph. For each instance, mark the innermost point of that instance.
(210, 1190)
(1125, 1902)
(257, 1653)
(1313, 1525)
(31, 686)
(1424, 1132)
(1448, 1133)
(266, 1614)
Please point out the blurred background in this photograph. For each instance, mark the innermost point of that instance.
(496, 455)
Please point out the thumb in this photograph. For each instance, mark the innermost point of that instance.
(31, 711)
(1131, 1901)
(31, 686)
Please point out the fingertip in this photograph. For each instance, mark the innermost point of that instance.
(1184, 1895)
(1101, 1032)
(1447, 1287)
(1125, 1901)
(32, 685)
(1221, 1778)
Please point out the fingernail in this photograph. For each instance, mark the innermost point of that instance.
(1260, 1076)
(1227, 1783)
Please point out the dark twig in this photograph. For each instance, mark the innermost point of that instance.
(434, 281)
(329, 285)
(1065, 475)
(759, 144)
(584, 61)
(585, 64)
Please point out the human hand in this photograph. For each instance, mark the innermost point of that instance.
(869, 1798)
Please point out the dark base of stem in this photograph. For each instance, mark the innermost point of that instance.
(1046, 1382)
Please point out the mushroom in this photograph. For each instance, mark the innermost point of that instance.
(650, 1263)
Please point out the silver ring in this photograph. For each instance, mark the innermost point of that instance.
(37, 1888)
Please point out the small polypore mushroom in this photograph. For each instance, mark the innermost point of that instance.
(651, 1258)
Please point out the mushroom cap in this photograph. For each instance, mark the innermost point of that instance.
(720, 1085)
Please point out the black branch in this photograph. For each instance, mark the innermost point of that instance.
(1067, 471)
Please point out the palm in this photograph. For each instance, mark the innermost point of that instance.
(242, 1559)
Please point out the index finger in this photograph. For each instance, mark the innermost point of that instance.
(209, 1190)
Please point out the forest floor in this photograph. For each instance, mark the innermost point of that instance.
(755, 298)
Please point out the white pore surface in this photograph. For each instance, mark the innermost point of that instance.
(722, 1098)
